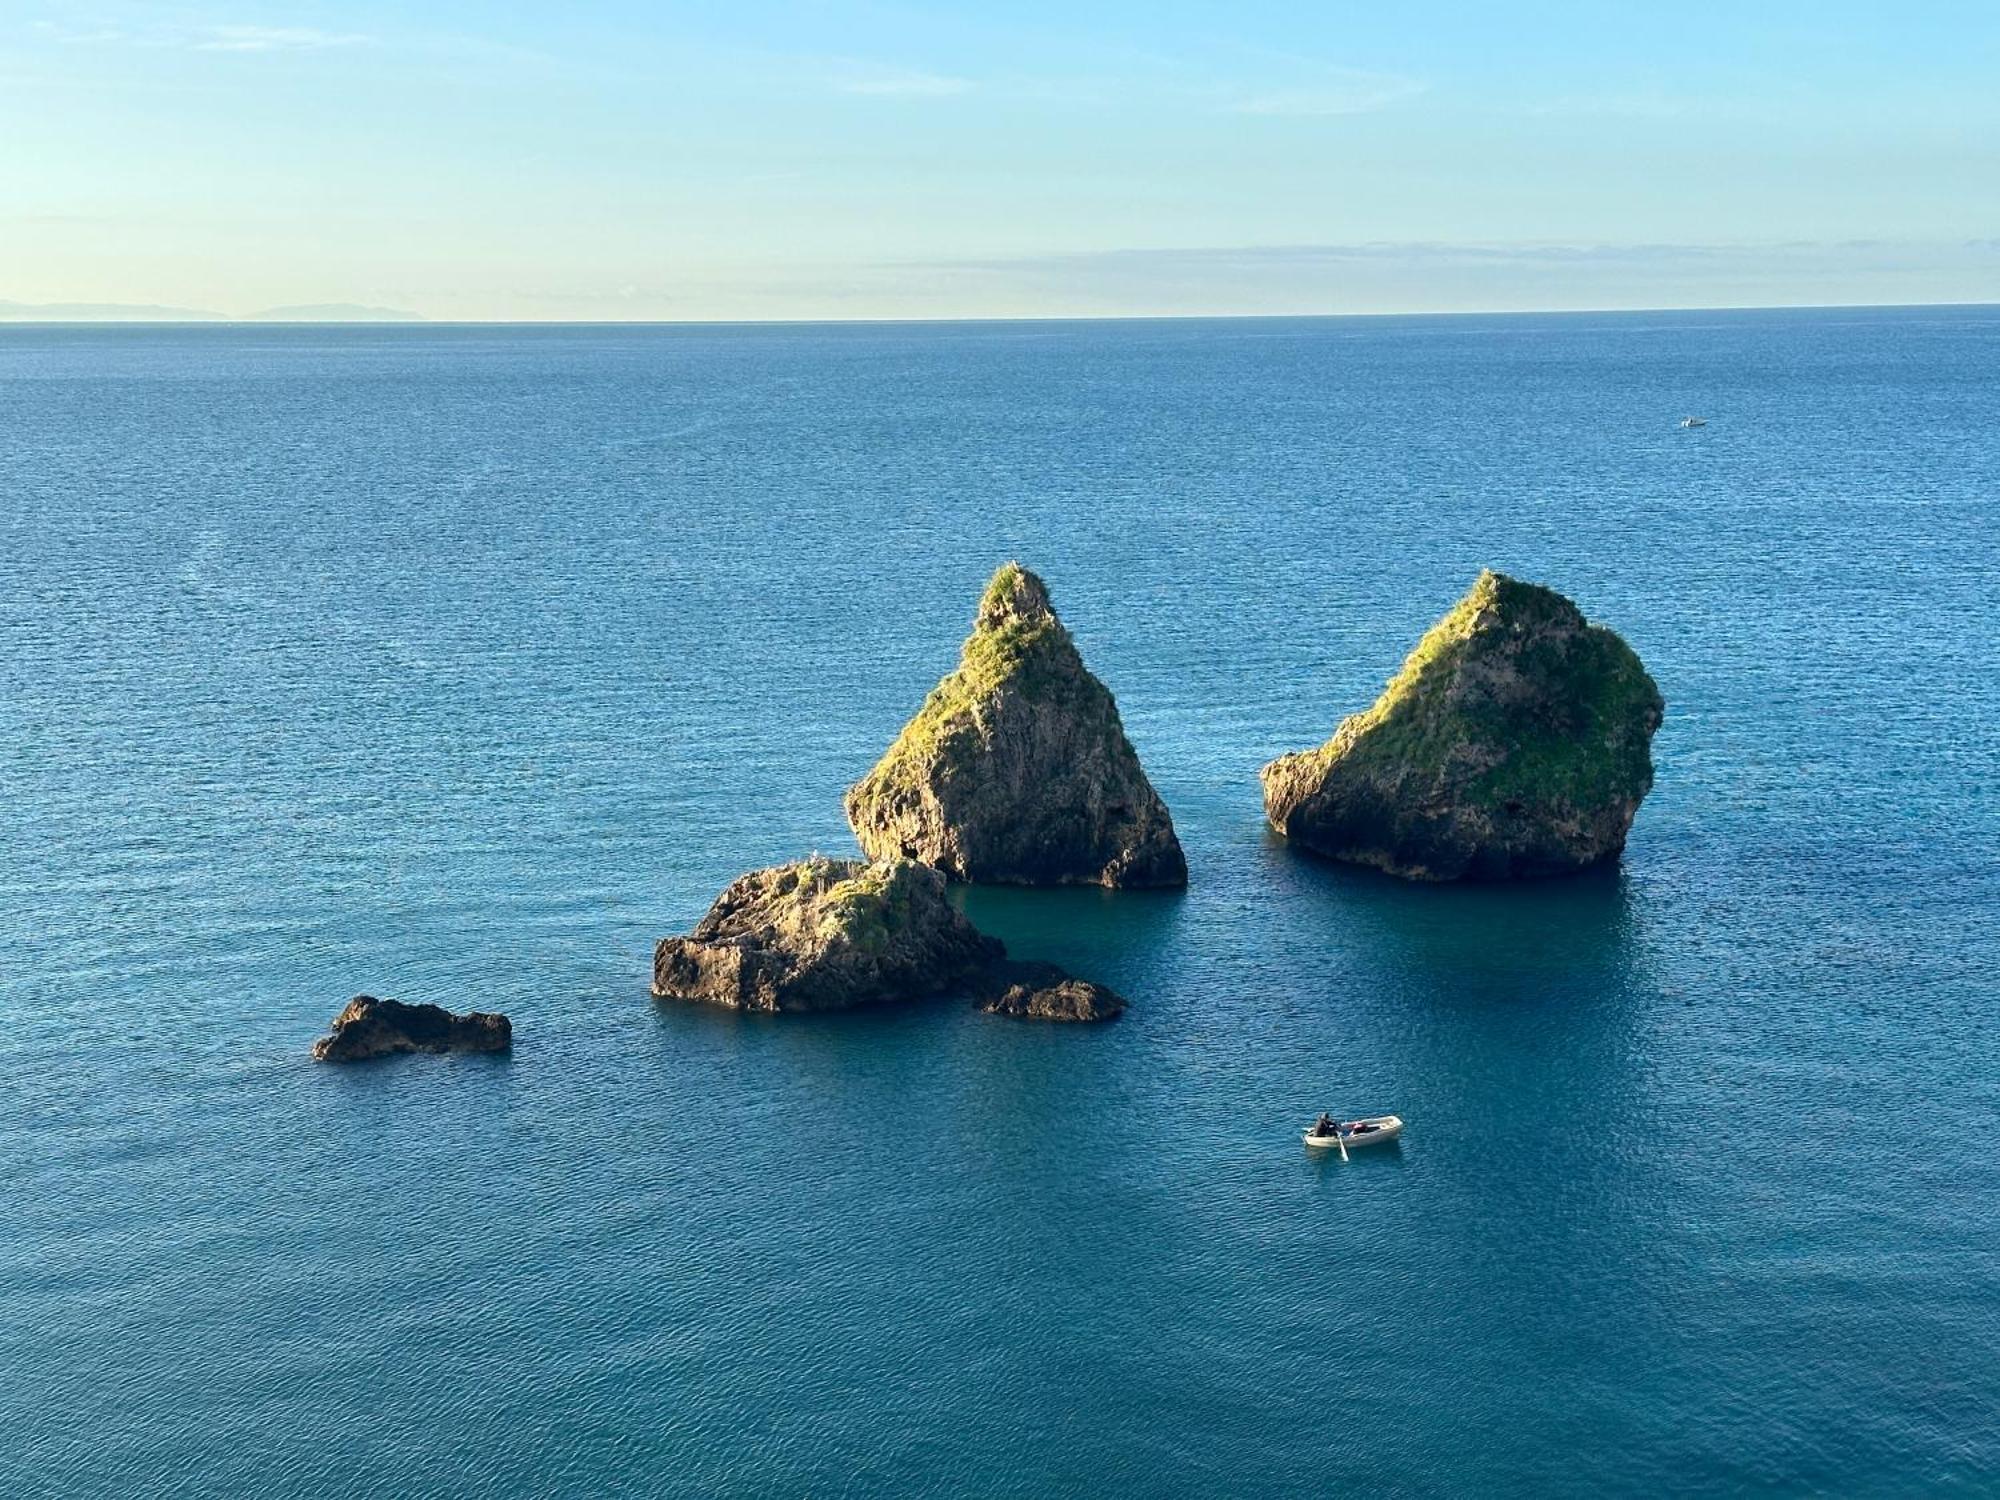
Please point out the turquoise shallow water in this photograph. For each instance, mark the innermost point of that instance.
(461, 664)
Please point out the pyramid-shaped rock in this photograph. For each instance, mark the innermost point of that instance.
(1516, 741)
(1016, 769)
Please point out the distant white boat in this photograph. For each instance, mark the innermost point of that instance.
(1367, 1131)
(1694, 421)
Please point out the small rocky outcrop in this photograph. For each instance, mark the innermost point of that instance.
(829, 934)
(376, 1028)
(1043, 992)
(1016, 770)
(1515, 742)
(825, 934)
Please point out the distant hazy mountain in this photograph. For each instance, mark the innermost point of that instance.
(104, 312)
(334, 312)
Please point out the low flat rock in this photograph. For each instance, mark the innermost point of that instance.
(1043, 992)
(378, 1028)
(825, 934)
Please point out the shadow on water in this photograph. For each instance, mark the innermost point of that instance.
(1476, 1010)
(1556, 934)
(1110, 936)
(940, 1069)
(1517, 1029)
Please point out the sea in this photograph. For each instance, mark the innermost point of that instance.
(462, 663)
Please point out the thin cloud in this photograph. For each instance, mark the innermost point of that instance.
(1443, 276)
(1249, 258)
(79, 37)
(1638, 105)
(216, 38)
(272, 39)
(904, 83)
(1338, 91)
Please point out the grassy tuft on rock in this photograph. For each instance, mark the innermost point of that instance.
(865, 908)
(1016, 645)
(1567, 740)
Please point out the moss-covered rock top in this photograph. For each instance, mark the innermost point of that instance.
(1017, 645)
(1016, 767)
(1515, 740)
(1015, 597)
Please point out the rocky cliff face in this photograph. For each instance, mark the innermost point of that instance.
(1515, 741)
(376, 1028)
(825, 934)
(1016, 770)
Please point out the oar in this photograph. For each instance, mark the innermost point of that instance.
(1338, 1141)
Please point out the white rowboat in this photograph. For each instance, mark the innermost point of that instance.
(1363, 1132)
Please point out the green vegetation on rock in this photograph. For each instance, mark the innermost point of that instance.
(1515, 740)
(1016, 767)
(865, 908)
(1018, 645)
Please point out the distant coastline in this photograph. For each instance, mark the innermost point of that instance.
(121, 312)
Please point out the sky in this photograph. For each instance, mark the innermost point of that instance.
(605, 160)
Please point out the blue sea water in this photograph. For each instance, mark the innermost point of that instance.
(461, 664)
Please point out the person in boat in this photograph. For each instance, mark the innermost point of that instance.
(1324, 1124)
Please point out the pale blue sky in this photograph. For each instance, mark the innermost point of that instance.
(757, 159)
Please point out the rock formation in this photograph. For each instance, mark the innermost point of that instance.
(375, 1028)
(825, 934)
(1016, 770)
(1043, 992)
(1515, 741)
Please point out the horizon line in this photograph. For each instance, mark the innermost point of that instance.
(422, 321)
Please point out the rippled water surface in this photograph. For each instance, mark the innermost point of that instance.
(462, 664)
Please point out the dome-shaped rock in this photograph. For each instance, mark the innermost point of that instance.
(1016, 770)
(1515, 741)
